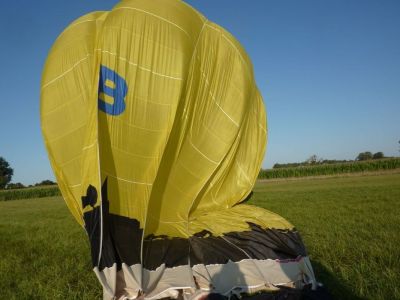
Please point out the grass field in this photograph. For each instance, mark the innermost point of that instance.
(350, 226)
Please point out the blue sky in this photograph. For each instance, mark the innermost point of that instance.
(329, 72)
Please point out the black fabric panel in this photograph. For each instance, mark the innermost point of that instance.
(92, 222)
(127, 236)
(163, 250)
(209, 249)
(122, 238)
(258, 243)
(268, 243)
(109, 254)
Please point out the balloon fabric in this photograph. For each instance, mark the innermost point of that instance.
(156, 131)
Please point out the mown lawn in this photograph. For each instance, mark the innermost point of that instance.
(351, 227)
(44, 253)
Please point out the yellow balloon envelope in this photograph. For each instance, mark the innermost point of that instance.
(156, 132)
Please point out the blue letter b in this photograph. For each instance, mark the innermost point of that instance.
(118, 92)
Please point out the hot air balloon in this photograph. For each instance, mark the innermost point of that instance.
(156, 131)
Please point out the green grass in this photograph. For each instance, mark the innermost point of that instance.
(350, 226)
(44, 252)
(332, 169)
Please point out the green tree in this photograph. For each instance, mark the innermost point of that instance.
(364, 156)
(6, 172)
(45, 182)
(313, 159)
(378, 155)
(13, 186)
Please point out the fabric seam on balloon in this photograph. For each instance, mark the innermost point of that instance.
(66, 133)
(66, 72)
(205, 156)
(244, 173)
(215, 100)
(71, 100)
(133, 154)
(74, 185)
(213, 133)
(179, 161)
(89, 146)
(125, 180)
(143, 128)
(138, 66)
(63, 164)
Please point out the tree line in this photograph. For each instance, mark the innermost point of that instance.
(6, 173)
(315, 160)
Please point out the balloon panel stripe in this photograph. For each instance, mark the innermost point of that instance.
(138, 66)
(66, 72)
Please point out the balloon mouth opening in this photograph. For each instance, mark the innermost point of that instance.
(213, 280)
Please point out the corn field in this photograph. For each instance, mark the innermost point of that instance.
(37, 192)
(331, 169)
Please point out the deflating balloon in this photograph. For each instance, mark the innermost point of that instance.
(156, 132)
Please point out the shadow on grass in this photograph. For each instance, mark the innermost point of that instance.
(333, 283)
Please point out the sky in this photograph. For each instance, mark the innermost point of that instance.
(329, 73)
